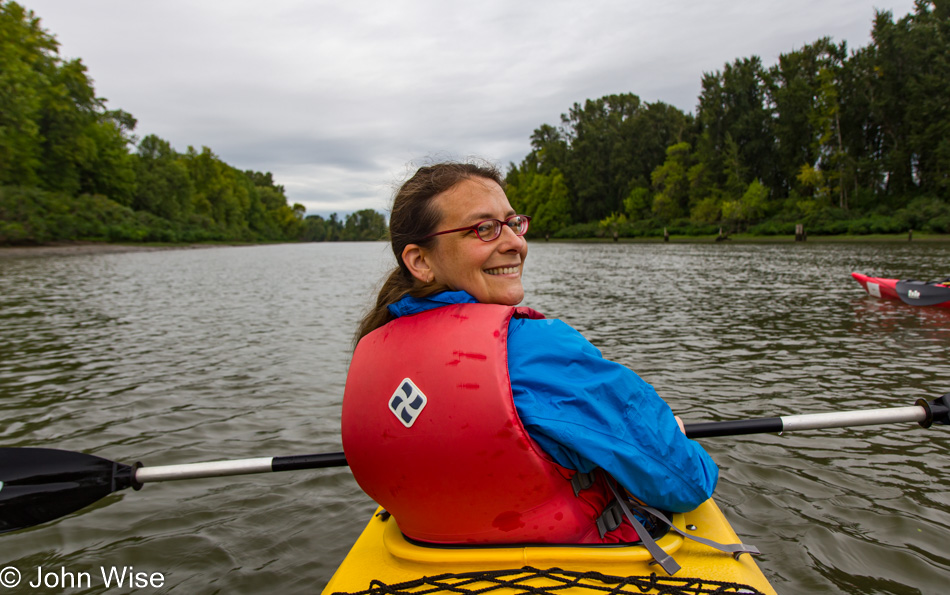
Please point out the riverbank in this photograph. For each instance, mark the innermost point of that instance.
(754, 239)
(79, 248)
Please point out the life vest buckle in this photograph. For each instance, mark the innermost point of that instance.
(581, 482)
(610, 519)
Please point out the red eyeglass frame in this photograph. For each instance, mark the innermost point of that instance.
(475, 228)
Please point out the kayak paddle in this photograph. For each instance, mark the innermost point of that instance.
(921, 412)
(42, 484)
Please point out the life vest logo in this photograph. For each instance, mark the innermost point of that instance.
(913, 294)
(407, 402)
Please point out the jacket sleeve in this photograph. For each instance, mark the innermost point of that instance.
(586, 412)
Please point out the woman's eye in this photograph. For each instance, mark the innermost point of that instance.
(486, 228)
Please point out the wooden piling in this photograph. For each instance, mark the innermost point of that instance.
(800, 235)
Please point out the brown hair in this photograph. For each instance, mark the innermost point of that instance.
(413, 217)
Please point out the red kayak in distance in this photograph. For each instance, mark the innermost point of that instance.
(909, 291)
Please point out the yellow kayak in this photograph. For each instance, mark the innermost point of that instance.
(383, 561)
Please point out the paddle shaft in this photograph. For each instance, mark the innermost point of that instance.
(239, 467)
(923, 413)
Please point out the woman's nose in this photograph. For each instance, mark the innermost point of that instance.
(509, 240)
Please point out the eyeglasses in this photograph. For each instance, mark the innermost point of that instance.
(489, 229)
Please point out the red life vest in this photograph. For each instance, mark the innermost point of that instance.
(431, 433)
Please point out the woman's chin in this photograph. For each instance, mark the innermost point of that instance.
(511, 298)
(510, 294)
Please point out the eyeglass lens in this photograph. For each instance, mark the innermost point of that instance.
(491, 229)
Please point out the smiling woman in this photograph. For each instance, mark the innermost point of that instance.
(456, 398)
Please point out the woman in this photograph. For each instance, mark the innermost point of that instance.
(473, 421)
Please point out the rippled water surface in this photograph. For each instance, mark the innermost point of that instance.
(189, 355)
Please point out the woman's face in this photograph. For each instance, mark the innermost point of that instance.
(489, 271)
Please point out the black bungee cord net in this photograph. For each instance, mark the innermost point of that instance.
(534, 581)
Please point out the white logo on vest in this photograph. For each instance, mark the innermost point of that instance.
(407, 402)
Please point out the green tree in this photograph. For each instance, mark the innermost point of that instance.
(164, 187)
(638, 204)
(594, 131)
(794, 89)
(749, 207)
(110, 170)
(604, 149)
(68, 114)
(549, 149)
(734, 108)
(220, 198)
(28, 57)
(314, 229)
(543, 197)
(334, 228)
(826, 120)
(365, 226)
(269, 215)
(671, 179)
(54, 132)
(909, 83)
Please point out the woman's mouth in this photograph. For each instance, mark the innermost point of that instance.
(503, 270)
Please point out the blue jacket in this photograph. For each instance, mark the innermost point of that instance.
(587, 412)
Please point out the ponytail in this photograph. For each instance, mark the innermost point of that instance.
(399, 284)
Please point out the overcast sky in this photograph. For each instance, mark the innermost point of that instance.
(340, 100)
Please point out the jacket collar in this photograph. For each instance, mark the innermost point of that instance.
(412, 305)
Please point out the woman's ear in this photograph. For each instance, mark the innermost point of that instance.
(415, 257)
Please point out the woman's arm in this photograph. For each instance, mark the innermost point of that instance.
(586, 412)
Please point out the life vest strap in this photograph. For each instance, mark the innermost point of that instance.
(666, 561)
(736, 549)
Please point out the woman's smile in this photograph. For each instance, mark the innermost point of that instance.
(509, 270)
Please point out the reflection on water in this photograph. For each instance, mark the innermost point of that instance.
(181, 356)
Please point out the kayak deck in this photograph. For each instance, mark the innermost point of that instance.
(383, 557)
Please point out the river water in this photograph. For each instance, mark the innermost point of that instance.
(182, 356)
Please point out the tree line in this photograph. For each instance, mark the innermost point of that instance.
(841, 141)
(72, 169)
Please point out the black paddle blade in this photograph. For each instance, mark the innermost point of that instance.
(41, 484)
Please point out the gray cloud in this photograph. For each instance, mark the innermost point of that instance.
(338, 99)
